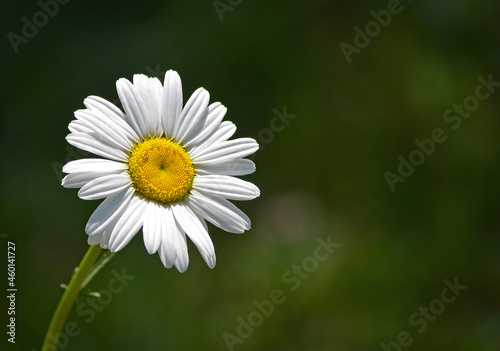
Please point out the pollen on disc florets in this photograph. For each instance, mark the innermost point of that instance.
(160, 170)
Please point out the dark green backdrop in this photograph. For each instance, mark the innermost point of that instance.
(322, 173)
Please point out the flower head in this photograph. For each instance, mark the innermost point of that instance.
(165, 168)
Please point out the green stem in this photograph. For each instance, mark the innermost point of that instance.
(101, 262)
(69, 296)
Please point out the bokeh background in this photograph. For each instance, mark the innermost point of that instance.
(321, 176)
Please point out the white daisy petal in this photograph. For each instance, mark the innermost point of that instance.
(151, 92)
(239, 167)
(192, 117)
(152, 227)
(104, 129)
(194, 230)
(97, 165)
(173, 248)
(133, 113)
(225, 151)
(220, 212)
(94, 239)
(225, 186)
(77, 180)
(128, 225)
(77, 126)
(141, 102)
(202, 220)
(225, 131)
(105, 239)
(169, 233)
(102, 238)
(216, 112)
(106, 110)
(182, 260)
(89, 143)
(85, 170)
(109, 210)
(172, 102)
(104, 186)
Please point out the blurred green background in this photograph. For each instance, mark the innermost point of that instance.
(321, 176)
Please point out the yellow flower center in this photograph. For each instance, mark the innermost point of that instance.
(160, 170)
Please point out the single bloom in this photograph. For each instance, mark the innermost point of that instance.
(165, 168)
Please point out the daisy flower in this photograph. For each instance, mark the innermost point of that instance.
(165, 168)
